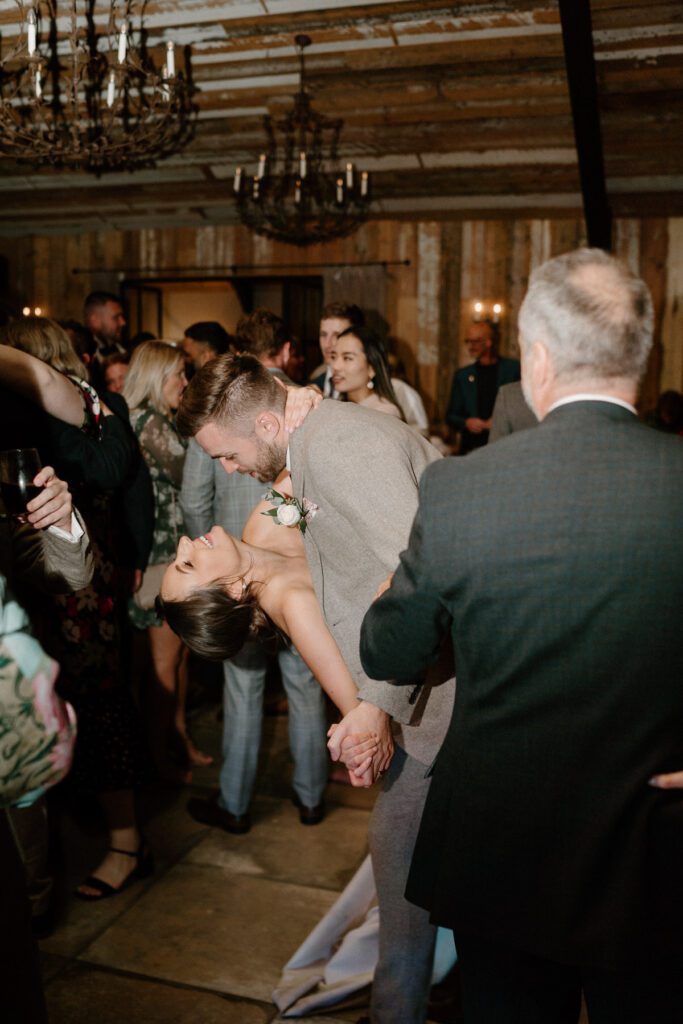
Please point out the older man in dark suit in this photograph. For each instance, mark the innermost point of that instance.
(554, 559)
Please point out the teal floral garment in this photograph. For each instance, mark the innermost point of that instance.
(164, 452)
(37, 729)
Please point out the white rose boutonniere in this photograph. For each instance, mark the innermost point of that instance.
(289, 511)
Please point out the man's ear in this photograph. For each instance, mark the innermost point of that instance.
(267, 425)
(543, 366)
(286, 352)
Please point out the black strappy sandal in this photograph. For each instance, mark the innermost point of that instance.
(144, 867)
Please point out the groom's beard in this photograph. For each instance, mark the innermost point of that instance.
(269, 461)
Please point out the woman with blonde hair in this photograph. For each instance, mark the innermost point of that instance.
(154, 384)
(46, 340)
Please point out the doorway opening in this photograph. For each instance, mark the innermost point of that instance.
(166, 306)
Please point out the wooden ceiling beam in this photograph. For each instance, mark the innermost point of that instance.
(575, 16)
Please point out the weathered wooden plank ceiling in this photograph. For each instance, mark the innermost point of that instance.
(457, 109)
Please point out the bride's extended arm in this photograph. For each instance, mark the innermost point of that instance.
(41, 384)
(303, 622)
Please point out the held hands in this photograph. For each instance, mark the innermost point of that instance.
(364, 729)
(300, 401)
(384, 585)
(52, 507)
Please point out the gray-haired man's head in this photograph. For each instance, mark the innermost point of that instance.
(593, 318)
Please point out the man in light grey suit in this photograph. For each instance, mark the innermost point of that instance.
(511, 412)
(362, 471)
(211, 496)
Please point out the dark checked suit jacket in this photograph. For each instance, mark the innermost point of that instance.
(555, 560)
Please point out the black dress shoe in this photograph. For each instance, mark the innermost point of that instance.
(210, 812)
(309, 815)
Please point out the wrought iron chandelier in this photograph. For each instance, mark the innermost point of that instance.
(298, 193)
(76, 92)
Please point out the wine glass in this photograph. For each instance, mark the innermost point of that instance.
(18, 467)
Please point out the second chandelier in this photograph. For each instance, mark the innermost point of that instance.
(299, 193)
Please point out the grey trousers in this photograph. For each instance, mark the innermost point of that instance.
(406, 938)
(245, 677)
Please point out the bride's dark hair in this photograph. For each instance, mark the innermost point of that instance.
(215, 625)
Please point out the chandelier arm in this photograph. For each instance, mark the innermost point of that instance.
(81, 122)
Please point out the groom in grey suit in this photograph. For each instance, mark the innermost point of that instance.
(362, 470)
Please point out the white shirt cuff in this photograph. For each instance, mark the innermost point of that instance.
(75, 533)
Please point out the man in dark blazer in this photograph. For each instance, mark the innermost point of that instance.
(554, 558)
(474, 389)
(511, 412)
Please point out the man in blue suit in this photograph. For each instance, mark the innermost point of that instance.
(475, 387)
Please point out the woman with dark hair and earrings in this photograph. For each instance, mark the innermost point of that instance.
(360, 371)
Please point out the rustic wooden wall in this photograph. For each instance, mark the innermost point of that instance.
(427, 303)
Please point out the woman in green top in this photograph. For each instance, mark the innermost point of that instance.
(154, 385)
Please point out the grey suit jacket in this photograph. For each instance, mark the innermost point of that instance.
(362, 469)
(510, 413)
(43, 560)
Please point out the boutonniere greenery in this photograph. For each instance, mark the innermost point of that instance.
(289, 511)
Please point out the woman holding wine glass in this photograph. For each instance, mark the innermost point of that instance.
(95, 452)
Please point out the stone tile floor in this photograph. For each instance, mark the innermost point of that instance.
(204, 939)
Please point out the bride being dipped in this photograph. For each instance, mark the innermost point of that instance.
(221, 592)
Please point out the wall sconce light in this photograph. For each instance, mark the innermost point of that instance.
(26, 311)
(481, 311)
(37, 311)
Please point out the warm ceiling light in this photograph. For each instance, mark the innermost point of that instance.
(26, 311)
(38, 311)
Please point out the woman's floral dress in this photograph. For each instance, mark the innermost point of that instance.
(164, 452)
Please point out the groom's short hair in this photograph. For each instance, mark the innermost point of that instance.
(231, 389)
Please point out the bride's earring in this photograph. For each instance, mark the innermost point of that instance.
(371, 383)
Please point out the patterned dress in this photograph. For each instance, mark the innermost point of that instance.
(95, 460)
(164, 452)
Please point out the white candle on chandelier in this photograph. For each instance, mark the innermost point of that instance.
(38, 83)
(261, 166)
(170, 58)
(302, 164)
(364, 183)
(237, 184)
(31, 31)
(478, 309)
(111, 89)
(349, 175)
(165, 89)
(123, 42)
(340, 190)
(297, 191)
(497, 310)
